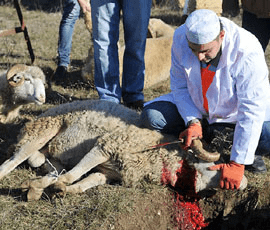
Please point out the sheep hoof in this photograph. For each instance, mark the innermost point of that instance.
(34, 194)
(25, 186)
(200, 152)
(59, 188)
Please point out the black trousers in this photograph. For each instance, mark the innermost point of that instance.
(260, 27)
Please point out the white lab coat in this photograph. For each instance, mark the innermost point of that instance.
(239, 93)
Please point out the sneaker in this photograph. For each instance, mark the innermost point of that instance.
(60, 75)
(136, 105)
(258, 165)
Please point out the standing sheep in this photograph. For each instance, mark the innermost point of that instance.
(20, 85)
(102, 137)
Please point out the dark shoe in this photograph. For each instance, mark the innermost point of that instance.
(60, 75)
(183, 19)
(258, 165)
(136, 105)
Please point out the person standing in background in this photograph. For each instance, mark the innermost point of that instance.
(71, 13)
(256, 19)
(105, 22)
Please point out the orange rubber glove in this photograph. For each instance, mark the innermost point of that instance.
(231, 174)
(193, 131)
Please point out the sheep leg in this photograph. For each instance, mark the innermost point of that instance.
(35, 187)
(92, 180)
(89, 161)
(26, 151)
(81, 186)
(19, 157)
(12, 114)
(36, 159)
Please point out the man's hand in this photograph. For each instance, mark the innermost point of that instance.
(194, 131)
(231, 174)
(85, 5)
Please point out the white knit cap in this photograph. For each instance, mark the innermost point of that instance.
(203, 26)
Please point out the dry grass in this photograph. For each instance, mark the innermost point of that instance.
(106, 207)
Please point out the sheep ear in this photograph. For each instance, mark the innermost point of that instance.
(13, 71)
(150, 32)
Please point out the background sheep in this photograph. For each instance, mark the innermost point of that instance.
(157, 28)
(101, 136)
(157, 55)
(20, 85)
(191, 5)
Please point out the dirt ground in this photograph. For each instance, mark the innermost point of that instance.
(111, 206)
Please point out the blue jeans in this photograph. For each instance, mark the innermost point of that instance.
(164, 117)
(70, 15)
(106, 19)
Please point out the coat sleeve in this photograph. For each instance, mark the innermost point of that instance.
(179, 86)
(252, 87)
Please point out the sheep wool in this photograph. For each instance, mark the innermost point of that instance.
(102, 137)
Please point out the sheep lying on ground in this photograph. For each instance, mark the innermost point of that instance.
(104, 138)
(157, 55)
(20, 85)
(157, 28)
(191, 5)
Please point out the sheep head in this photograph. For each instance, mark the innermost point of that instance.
(27, 84)
(14, 75)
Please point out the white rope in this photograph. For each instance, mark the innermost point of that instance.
(55, 173)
